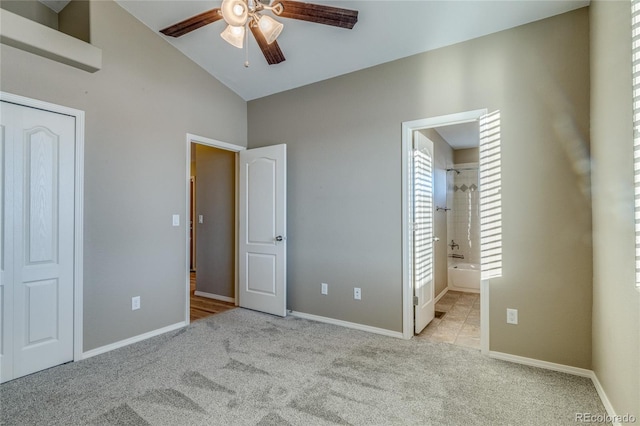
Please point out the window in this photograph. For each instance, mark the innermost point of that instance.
(635, 61)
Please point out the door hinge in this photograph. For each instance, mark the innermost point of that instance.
(415, 300)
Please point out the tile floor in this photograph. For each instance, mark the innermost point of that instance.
(460, 324)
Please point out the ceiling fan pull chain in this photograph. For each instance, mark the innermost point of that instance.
(246, 50)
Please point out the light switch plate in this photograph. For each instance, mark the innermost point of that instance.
(176, 220)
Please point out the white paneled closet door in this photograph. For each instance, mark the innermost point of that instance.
(37, 278)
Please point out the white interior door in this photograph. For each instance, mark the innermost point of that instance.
(423, 253)
(37, 281)
(262, 235)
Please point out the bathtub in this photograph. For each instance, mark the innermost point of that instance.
(464, 277)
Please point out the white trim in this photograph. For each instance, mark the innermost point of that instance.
(446, 120)
(347, 324)
(464, 289)
(78, 305)
(131, 340)
(214, 143)
(78, 259)
(441, 295)
(191, 138)
(604, 398)
(484, 317)
(408, 127)
(582, 372)
(215, 296)
(575, 371)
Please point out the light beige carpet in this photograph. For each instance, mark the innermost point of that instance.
(246, 368)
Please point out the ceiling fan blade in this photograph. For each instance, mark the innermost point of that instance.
(193, 23)
(328, 15)
(271, 52)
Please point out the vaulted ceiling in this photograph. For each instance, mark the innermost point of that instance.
(386, 31)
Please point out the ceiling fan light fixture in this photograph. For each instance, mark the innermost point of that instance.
(235, 12)
(242, 14)
(270, 28)
(234, 36)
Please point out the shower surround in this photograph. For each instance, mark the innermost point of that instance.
(463, 222)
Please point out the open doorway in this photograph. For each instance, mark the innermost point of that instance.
(456, 220)
(247, 250)
(211, 239)
(456, 303)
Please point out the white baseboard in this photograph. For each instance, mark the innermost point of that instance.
(605, 399)
(362, 327)
(134, 339)
(442, 293)
(214, 296)
(583, 372)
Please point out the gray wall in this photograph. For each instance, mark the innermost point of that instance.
(215, 237)
(344, 181)
(72, 20)
(139, 108)
(443, 159)
(616, 303)
(33, 10)
(75, 20)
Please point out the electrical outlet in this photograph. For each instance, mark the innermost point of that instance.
(357, 293)
(135, 303)
(512, 316)
(325, 288)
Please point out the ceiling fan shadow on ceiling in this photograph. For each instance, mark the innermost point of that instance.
(242, 14)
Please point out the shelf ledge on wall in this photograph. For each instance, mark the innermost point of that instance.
(41, 40)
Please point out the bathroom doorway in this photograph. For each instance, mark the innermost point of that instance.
(459, 306)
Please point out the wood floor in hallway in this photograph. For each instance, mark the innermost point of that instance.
(203, 307)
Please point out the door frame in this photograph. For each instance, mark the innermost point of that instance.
(191, 138)
(78, 239)
(408, 127)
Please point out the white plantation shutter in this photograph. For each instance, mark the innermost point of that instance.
(635, 25)
(423, 217)
(490, 197)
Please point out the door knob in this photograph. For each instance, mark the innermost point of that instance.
(436, 239)
(279, 238)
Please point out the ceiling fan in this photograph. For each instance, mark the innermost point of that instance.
(242, 14)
